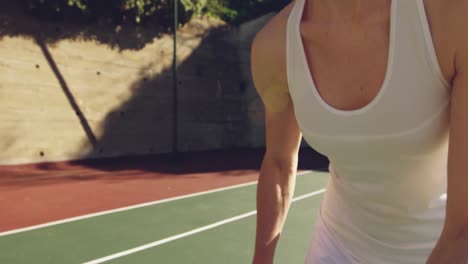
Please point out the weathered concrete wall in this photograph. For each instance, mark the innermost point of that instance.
(68, 92)
(219, 104)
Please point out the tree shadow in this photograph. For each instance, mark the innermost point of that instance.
(212, 103)
(214, 99)
(16, 21)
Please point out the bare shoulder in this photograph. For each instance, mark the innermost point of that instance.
(450, 20)
(457, 18)
(268, 59)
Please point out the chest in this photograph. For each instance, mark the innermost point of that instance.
(349, 64)
(348, 67)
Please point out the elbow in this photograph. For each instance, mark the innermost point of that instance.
(278, 175)
(283, 165)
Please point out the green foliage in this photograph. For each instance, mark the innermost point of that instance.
(145, 8)
(232, 11)
(220, 9)
(195, 6)
(78, 3)
(235, 11)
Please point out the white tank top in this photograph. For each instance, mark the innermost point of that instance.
(385, 199)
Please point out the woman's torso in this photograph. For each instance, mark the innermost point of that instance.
(385, 132)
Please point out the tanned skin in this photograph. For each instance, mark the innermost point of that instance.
(448, 21)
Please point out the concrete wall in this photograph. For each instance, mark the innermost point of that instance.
(72, 92)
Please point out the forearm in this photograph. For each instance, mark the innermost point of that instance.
(452, 248)
(274, 194)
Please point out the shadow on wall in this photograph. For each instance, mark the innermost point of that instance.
(214, 99)
(121, 36)
(217, 103)
(212, 104)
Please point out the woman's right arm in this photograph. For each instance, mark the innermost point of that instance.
(276, 183)
(283, 137)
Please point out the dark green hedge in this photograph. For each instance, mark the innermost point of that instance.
(138, 11)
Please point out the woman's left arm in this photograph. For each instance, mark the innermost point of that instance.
(452, 246)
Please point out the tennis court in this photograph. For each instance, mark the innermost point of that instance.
(216, 226)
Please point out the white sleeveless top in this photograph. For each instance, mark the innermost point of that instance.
(385, 199)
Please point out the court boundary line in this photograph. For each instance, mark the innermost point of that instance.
(189, 233)
(131, 207)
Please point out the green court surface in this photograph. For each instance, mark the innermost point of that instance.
(216, 227)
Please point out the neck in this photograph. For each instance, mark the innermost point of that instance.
(345, 10)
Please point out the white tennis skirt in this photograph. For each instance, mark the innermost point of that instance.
(323, 249)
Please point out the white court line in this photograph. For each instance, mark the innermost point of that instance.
(189, 233)
(86, 216)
